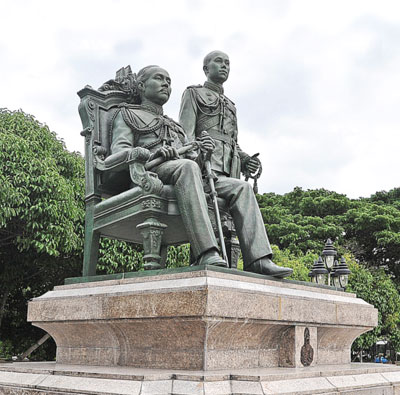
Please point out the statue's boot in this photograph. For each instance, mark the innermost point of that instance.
(211, 257)
(269, 268)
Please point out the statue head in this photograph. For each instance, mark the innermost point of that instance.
(153, 84)
(216, 66)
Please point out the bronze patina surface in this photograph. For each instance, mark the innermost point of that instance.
(206, 108)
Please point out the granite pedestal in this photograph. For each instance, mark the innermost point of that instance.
(202, 319)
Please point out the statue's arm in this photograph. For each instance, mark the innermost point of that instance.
(122, 135)
(243, 155)
(188, 120)
(188, 114)
(122, 146)
(244, 158)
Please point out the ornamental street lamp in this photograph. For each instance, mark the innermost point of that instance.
(318, 272)
(327, 267)
(341, 273)
(328, 254)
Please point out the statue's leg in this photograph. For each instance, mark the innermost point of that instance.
(247, 217)
(185, 175)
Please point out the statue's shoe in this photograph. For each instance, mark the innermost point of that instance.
(212, 258)
(269, 268)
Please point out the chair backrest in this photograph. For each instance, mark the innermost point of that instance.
(97, 111)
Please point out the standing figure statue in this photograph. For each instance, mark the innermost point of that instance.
(206, 108)
(143, 124)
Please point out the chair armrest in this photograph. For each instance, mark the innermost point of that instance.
(116, 159)
(133, 159)
(148, 180)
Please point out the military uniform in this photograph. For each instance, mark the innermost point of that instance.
(147, 127)
(206, 108)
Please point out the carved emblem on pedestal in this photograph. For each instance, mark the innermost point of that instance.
(307, 352)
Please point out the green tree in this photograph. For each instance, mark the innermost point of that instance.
(301, 263)
(301, 221)
(373, 232)
(119, 257)
(41, 216)
(178, 256)
(378, 289)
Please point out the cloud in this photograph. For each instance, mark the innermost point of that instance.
(284, 91)
(315, 83)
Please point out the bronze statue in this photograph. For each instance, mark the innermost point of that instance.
(143, 124)
(206, 108)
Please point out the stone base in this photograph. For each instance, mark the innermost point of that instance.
(38, 378)
(201, 319)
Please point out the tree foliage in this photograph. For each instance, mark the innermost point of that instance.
(373, 230)
(41, 189)
(301, 263)
(41, 216)
(301, 221)
(119, 257)
(39, 185)
(378, 289)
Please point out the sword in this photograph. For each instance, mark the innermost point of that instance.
(213, 194)
(186, 148)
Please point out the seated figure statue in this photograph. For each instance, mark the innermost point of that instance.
(143, 124)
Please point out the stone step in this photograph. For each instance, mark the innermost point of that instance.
(51, 378)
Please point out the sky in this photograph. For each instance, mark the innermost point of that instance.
(316, 83)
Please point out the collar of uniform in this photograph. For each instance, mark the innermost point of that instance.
(214, 87)
(153, 108)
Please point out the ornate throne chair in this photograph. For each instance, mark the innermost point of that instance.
(123, 200)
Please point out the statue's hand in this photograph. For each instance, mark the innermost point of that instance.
(207, 143)
(252, 169)
(167, 153)
(253, 164)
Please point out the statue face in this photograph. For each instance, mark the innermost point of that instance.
(217, 70)
(157, 88)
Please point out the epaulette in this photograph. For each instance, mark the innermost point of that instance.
(173, 121)
(194, 86)
(170, 119)
(177, 126)
(127, 105)
(233, 103)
